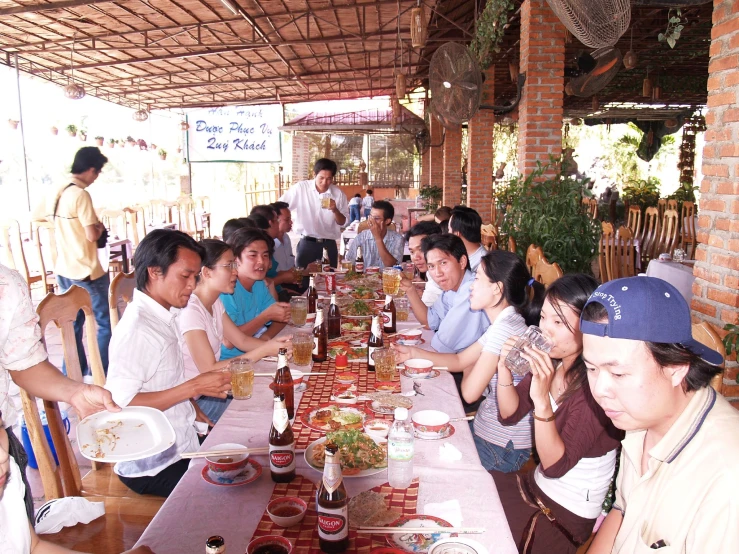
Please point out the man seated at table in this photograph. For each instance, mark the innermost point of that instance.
(381, 247)
(466, 223)
(233, 225)
(146, 364)
(252, 306)
(675, 489)
(414, 237)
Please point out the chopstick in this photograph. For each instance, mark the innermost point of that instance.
(230, 452)
(404, 332)
(466, 418)
(304, 374)
(422, 530)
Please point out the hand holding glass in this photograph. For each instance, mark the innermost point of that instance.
(384, 364)
(242, 378)
(390, 280)
(533, 337)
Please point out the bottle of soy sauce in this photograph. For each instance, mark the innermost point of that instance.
(332, 505)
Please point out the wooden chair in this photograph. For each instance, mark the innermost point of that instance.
(687, 235)
(157, 213)
(489, 236)
(705, 333)
(203, 202)
(533, 255)
(120, 295)
(186, 217)
(661, 207)
(668, 234)
(116, 223)
(593, 208)
(634, 221)
(650, 234)
(672, 204)
(606, 248)
(547, 273)
(136, 224)
(512, 245)
(44, 235)
(623, 253)
(14, 256)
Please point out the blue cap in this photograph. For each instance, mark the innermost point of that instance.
(646, 309)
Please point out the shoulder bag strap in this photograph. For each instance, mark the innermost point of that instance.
(58, 198)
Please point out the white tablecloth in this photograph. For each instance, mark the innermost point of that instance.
(678, 275)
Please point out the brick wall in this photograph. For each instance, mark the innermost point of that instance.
(480, 155)
(436, 154)
(540, 109)
(425, 168)
(452, 167)
(716, 288)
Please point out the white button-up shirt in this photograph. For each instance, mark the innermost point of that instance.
(310, 219)
(20, 336)
(145, 356)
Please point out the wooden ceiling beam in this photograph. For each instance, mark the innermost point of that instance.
(36, 8)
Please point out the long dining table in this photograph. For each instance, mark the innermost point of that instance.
(197, 510)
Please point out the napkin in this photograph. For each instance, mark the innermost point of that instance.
(449, 511)
(449, 453)
(66, 512)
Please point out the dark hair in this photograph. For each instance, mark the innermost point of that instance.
(700, 372)
(369, 191)
(264, 210)
(519, 289)
(444, 226)
(259, 221)
(423, 228)
(88, 157)
(467, 222)
(242, 238)
(160, 248)
(231, 226)
(388, 211)
(449, 244)
(443, 213)
(214, 249)
(357, 195)
(279, 206)
(573, 291)
(324, 164)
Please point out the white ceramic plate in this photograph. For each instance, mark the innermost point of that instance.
(134, 433)
(418, 542)
(457, 545)
(309, 460)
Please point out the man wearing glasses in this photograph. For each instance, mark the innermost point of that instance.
(381, 247)
(78, 231)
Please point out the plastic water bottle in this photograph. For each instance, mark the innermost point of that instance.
(400, 451)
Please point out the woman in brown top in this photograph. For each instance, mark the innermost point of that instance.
(552, 508)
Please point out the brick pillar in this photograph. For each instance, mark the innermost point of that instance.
(426, 168)
(716, 288)
(436, 154)
(453, 167)
(540, 109)
(480, 155)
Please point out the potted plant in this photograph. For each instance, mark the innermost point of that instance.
(100, 140)
(83, 135)
(432, 197)
(162, 154)
(152, 146)
(130, 140)
(111, 143)
(13, 123)
(684, 193)
(644, 192)
(72, 130)
(54, 131)
(142, 144)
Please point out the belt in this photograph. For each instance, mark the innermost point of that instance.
(314, 239)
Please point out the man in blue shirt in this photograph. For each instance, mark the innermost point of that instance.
(381, 247)
(252, 306)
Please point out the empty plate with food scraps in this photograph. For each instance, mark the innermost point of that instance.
(134, 433)
(385, 403)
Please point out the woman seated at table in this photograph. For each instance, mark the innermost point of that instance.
(504, 289)
(204, 324)
(575, 441)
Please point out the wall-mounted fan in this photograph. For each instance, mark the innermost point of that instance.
(455, 83)
(595, 23)
(416, 140)
(599, 68)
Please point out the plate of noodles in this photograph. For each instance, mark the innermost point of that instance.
(360, 455)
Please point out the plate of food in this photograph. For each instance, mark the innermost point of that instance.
(360, 455)
(134, 433)
(332, 417)
(354, 354)
(418, 542)
(363, 293)
(358, 326)
(359, 309)
(385, 402)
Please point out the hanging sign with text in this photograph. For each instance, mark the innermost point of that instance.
(235, 134)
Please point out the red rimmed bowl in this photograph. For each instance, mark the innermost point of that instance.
(374, 270)
(270, 544)
(430, 423)
(287, 511)
(418, 367)
(377, 428)
(227, 467)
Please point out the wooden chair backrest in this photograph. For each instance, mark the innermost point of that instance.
(45, 239)
(668, 233)
(624, 252)
(11, 242)
(650, 234)
(116, 223)
(547, 273)
(186, 215)
(634, 221)
(533, 255)
(120, 295)
(157, 212)
(489, 236)
(705, 333)
(661, 207)
(687, 235)
(593, 211)
(203, 202)
(512, 245)
(605, 252)
(672, 204)
(136, 223)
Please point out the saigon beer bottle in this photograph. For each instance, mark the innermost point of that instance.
(284, 382)
(374, 342)
(334, 319)
(312, 296)
(332, 505)
(388, 314)
(359, 261)
(320, 338)
(281, 444)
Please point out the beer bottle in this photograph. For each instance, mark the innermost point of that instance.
(325, 261)
(332, 505)
(359, 261)
(281, 444)
(312, 296)
(374, 342)
(388, 315)
(320, 338)
(284, 382)
(334, 319)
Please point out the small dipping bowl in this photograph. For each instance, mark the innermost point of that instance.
(287, 511)
(377, 428)
(345, 397)
(270, 543)
(430, 423)
(418, 367)
(411, 334)
(297, 376)
(227, 470)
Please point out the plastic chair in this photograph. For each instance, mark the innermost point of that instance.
(705, 333)
(120, 295)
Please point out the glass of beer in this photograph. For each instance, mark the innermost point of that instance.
(384, 364)
(409, 270)
(326, 201)
(242, 378)
(299, 274)
(402, 308)
(390, 281)
(302, 348)
(347, 265)
(298, 310)
(532, 337)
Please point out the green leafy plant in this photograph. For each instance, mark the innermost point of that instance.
(546, 210)
(432, 196)
(642, 192)
(731, 341)
(72, 129)
(684, 193)
(675, 25)
(490, 29)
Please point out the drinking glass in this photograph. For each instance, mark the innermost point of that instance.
(390, 280)
(532, 337)
(302, 348)
(384, 364)
(298, 310)
(678, 255)
(402, 308)
(242, 378)
(326, 201)
(347, 265)
(299, 274)
(409, 270)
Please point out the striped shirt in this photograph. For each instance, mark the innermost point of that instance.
(393, 241)
(508, 323)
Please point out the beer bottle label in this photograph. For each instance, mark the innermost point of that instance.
(315, 346)
(359, 267)
(332, 477)
(387, 319)
(282, 458)
(333, 523)
(370, 351)
(280, 419)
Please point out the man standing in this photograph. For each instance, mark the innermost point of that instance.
(77, 231)
(319, 227)
(381, 247)
(414, 237)
(367, 202)
(675, 490)
(466, 223)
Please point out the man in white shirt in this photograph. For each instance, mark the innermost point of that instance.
(146, 364)
(466, 223)
(319, 227)
(414, 237)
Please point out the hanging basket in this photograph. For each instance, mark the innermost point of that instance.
(400, 85)
(419, 27)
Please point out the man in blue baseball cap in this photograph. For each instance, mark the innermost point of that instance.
(676, 484)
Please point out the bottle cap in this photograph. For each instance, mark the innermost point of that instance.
(401, 414)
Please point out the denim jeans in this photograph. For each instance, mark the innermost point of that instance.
(213, 407)
(504, 459)
(98, 290)
(367, 212)
(353, 214)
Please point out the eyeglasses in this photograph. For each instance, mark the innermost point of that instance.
(231, 265)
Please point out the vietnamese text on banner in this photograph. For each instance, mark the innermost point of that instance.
(235, 134)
